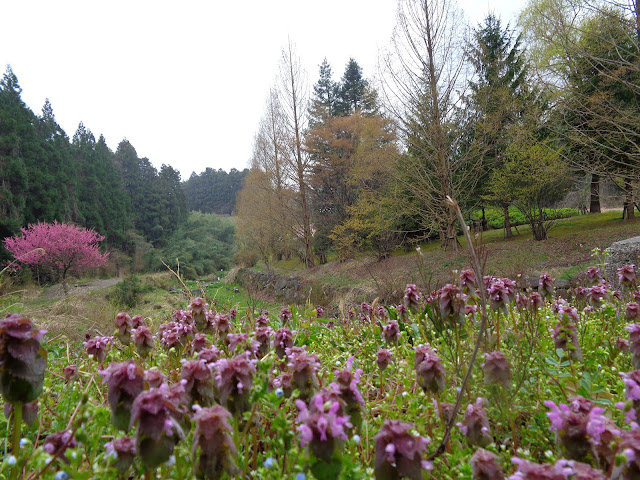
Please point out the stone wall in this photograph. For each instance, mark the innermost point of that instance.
(290, 289)
(621, 253)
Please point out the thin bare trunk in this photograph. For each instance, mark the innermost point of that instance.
(294, 103)
(507, 221)
(448, 220)
(594, 204)
(629, 208)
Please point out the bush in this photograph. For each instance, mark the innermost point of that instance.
(203, 245)
(495, 217)
(246, 257)
(127, 293)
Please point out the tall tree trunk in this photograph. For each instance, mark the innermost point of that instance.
(484, 226)
(628, 211)
(507, 221)
(594, 206)
(448, 220)
(293, 79)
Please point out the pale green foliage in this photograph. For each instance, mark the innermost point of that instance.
(533, 177)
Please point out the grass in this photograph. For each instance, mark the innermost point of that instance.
(565, 254)
(73, 316)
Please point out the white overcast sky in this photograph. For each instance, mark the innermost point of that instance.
(185, 82)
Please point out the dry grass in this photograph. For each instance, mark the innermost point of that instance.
(74, 315)
(564, 254)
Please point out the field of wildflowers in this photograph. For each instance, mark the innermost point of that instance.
(479, 379)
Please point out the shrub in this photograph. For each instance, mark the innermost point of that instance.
(127, 293)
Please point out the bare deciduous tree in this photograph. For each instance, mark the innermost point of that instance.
(294, 96)
(422, 88)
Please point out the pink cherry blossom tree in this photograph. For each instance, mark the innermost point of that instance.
(63, 247)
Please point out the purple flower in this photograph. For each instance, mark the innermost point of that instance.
(143, 340)
(199, 342)
(69, 372)
(199, 381)
(632, 386)
(412, 298)
(222, 325)
(98, 347)
(468, 281)
(157, 415)
(153, 377)
(282, 339)
(485, 466)
(346, 384)
(304, 368)
(22, 360)
(125, 381)
(497, 370)
(176, 334)
(124, 325)
(522, 301)
(263, 337)
(56, 444)
(320, 426)
(562, 470)
(123, 450)
(262, 321)
(213, 439)
(634, 343)
(627, 277)
(536, 301)
(398, 452)
(429, 369)
(319, 312)
(581, 294)
(282, 381)
(500, 294)
(476, 424)
(570, 424)
(633, 311)
(138, 321)
(391, 332)
(234, 379)
(197, 306)
(565, 336)
(630, 448)
(182, 316)
(545, 286)
(596, 294)
(209, 355)
(451, 301)
(383, 358)
(622, 345)
(593, 276)
(285, 315)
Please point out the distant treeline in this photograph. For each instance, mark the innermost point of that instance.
(214, 191)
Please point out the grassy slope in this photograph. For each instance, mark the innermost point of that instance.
(566, 253)
(93, 312)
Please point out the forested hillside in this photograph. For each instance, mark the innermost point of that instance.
(47, 176)
(214, 191)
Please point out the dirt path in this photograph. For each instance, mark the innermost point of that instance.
(56, 291)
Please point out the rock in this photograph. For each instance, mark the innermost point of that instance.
(621, 253)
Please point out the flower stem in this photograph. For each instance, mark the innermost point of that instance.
(17, 424)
